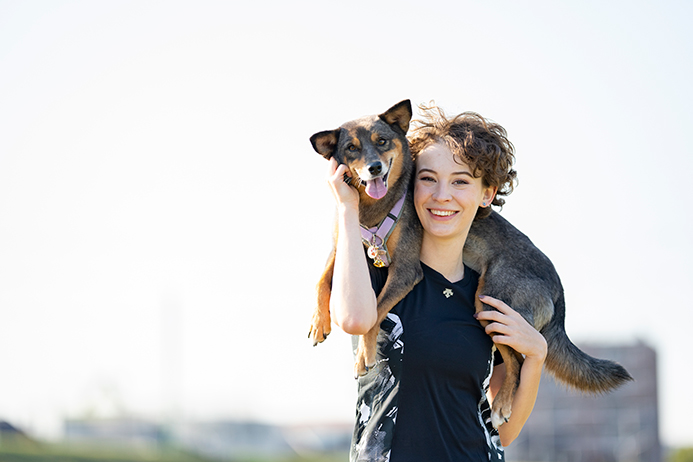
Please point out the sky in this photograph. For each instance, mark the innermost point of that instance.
(164, 219)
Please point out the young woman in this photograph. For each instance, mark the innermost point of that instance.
(429, 396)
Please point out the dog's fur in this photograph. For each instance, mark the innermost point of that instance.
(511, 268)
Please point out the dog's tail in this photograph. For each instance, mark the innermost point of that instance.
(574, 367)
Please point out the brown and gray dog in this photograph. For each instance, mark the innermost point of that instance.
(511, 268)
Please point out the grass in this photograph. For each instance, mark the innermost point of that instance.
(30, 451)
(41, 452)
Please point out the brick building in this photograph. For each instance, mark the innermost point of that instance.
(567, 426)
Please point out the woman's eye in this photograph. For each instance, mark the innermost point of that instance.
(460, 182)
(426, 178)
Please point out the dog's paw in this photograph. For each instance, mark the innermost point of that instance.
(502, 407)
(498, 418)
(362, 364)
(320, 328)
(360, 369)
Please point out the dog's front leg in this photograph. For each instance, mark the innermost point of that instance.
(321, 323)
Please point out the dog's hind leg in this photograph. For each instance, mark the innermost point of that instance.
(503, 401)
(401, 279)
(321, 324)
(363, 364)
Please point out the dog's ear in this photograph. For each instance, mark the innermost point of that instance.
(325, 143)
(399, 115)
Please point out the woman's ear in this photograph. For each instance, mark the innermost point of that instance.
(489, 195)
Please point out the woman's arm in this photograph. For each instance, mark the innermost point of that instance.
(353, 302)
(507, 327)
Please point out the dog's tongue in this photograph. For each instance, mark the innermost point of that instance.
(376, 188)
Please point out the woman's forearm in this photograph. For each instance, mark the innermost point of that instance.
(353, 302)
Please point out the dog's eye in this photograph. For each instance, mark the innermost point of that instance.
(352, 148)
(382, 141)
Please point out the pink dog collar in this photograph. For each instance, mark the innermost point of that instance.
(376, 238)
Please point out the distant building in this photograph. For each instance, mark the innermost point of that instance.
(226, 440)
(567, 426)
(223, 440)
(120, 431)
(231, 439)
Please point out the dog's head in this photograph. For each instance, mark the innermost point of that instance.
(373, 147)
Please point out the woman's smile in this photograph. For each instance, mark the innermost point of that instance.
(442, 213)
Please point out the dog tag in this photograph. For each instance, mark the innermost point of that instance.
(373, 252)
(378, 263)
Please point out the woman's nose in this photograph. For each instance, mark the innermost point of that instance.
(441, 193)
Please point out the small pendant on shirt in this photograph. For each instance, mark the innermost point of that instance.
(447, 293)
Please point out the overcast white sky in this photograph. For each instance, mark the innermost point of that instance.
(164, 220)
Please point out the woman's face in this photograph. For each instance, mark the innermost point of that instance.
(446, 194)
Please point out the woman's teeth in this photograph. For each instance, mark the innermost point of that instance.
(442, 213)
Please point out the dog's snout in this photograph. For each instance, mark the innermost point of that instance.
(375, 168)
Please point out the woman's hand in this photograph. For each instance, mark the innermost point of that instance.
(343, 193)
(507, 327)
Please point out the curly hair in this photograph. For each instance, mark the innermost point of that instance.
(474, 140)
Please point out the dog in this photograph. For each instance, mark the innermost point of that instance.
(376, 150)
(511, 268)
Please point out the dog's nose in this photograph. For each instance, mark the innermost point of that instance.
(375, 168)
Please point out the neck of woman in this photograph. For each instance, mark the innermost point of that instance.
(444, 256)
